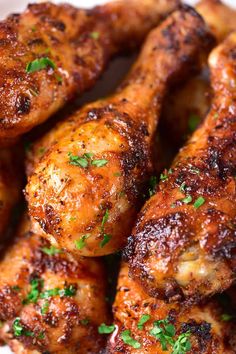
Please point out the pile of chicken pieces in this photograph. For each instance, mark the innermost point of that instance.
(141, 183)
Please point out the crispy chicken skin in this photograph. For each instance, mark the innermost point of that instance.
(97, 204)
(220, 17)
(10, 184)
(78, 42)
(183, 245)
(209, 334)
(61, 323)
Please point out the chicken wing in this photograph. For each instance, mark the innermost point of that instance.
(10, 184)
(48, 301)
(139, 326)
(87, 187)
(51, 52)
(220, 17)
(183, 245)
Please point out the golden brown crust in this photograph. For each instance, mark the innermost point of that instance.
(209, 334)
(79, 42)
(69, 323)
(69, 201)
(183, 245)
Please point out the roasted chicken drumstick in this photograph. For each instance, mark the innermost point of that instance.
(86, 188)
(48, 301)
(51, 52)
(146, 325)
(183, 245)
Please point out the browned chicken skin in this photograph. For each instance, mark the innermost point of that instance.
(49, 301)
(71, 48)
(96, 204)
(10, 184)
(183, 245)
(208, 333)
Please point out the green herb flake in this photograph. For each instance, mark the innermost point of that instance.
(144, 318)
(117, 174)
(41, 335)
(127, 339)
(182, 344)
(225, 317)
(33, 295)
(106, 329)
(106, 239)
(17, 327)
(199, 202)
(51, 251)
(80, 244)
(85, 321)
(99, 163)
(39, 64)
(105, 218)
(58, 78)
(16, 288)
(95, 35)
(152, 184)
(77, 160)
(67, 292)
(49, 293)
(188, 199)
(164, 332)
(45, 307)
(163, 177)
(182, 187)
(193, 122)
(194, 170)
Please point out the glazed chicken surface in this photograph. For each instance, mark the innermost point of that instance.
(48, 301)
(50, 53)
(199, 329)
(183, 244)
(87, 187)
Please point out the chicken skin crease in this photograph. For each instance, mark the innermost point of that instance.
(10, 184)
(87, 187)
(50, 53)
(184, 242)
(50, 302)
(200, 329)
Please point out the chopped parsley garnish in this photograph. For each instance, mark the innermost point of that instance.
(15, 288)
(164, 176)
(81, 242)
(117, 174)
(33, 295)
(199, 202)
(152, 184)
(85, 321)
(106, 329)
(84, 160)
(127, 339)
(182, 187)
(68, 292)
(99, 163)
(51, 251)
(106, 239)
(78, 161)
(193, 122)
(187, 199)
(19, 330)
(40, 64)
(194, 170)
(95, 35)
(182, 344)
(165, 333)
(225, 317)
(144, 318)
(45, 308)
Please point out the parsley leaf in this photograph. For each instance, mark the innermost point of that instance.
(69, 291)
(199, 202)
(51, 251)
(105, 219)
(99, 163)
(85, 321)
(182, 344)
(152, 184)
(193, 122)
(127, 339)
(39, 64)
(78, 161)
(164, 332)
(81, 242)
(45, 308)
(187, 199)
(105, 329)
(144, 318)
(182, 187)
(33, 295)
(225, 317)
(17, 327)
(106, 239)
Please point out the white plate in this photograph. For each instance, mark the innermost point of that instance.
(9, 6)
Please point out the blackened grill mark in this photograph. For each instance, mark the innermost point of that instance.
(202, 331)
